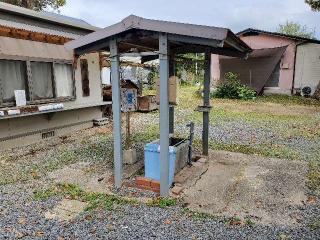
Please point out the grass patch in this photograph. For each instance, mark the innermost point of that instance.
(314, 176)
(267, 150)
(162, 202)
(47, 193)
(249, 222)
(94, 200)
(315, 224)
(197, 215)
(149, 134)
(288, 100)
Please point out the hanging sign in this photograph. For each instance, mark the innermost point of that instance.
(129, 100)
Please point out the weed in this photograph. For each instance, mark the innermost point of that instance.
(288, 100)
(47, 193)
(249, 221)
(314, 176)
(140, 172)
(197, 215)
(162, 202)
(94, 200)
(315, 224)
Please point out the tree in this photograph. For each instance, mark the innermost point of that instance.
(296, 29)
(314, 4)
(37, 5)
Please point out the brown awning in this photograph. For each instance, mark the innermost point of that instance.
(257, 69)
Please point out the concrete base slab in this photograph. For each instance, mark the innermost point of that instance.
(77, 174)
(268, 190)
(66, 210)
(80, 174)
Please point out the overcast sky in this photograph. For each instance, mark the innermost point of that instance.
(234, 14)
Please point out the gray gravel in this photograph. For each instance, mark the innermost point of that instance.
(129, 222)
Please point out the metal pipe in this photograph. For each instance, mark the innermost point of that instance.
(206, 103)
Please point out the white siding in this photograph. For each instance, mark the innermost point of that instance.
(307, 72)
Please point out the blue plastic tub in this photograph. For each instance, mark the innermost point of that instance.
(152, 162)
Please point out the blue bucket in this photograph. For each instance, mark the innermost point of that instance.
(152, 162)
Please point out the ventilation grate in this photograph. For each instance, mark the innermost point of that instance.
(48, 134)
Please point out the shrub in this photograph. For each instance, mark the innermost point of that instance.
(233, 89)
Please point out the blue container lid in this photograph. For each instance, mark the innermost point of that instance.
(155, 147)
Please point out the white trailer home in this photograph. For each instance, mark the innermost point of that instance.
(62, 93)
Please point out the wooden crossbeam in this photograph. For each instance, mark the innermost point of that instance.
(32, 36)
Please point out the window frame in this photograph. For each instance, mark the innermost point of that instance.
(31, 101)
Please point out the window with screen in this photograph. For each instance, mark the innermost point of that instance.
(64, 85)
(42, 80)
(13, 76)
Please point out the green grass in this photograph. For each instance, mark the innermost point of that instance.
(162, 202)
(267, 150)
(94, 200)
(315, 224)
(197, 215)
(288, 100)
(97, 200)
(314, 176)
(148, 134)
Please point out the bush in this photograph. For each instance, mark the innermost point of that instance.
(233, 89)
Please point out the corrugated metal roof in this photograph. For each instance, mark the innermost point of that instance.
(32, 49)
(296, 38)
(31, 28)
(50, 17)
(134, 22)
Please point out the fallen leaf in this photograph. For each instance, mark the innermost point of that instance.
(311, 200)
(39, 234)
(167, 222)
(22, 221)
(20, 235)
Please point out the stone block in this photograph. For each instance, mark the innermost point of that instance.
(129, 156)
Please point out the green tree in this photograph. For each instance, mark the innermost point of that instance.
(314, 4)
(37, 5)
(296, 29)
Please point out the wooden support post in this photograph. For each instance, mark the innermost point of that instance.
(206, 103)
(116, 106)
(128, 135)
(164, 115)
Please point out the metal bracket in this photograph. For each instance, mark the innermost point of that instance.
(203, 109)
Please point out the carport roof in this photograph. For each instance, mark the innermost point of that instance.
(196, 35)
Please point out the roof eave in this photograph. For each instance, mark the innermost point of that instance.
(38, 15)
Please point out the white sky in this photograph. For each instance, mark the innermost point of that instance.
(234, 14)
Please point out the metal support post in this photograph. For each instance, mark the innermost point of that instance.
(164, 115)
(116, 106)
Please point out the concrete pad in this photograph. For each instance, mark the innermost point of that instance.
(265, 189)
(77, 174)
(80, 174)
(66, 210)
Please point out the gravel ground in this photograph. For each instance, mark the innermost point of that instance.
(22, 217)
